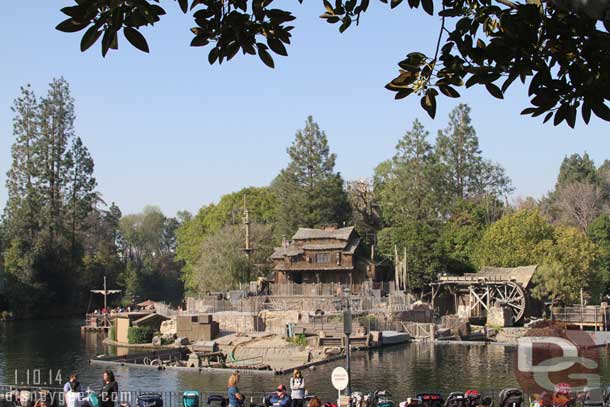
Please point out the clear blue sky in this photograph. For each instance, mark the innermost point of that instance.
(168, 129)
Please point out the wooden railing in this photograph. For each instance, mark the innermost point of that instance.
(590, 316)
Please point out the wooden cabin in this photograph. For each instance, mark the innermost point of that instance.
(329, 255)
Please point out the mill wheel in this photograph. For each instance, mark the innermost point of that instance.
(512, 295)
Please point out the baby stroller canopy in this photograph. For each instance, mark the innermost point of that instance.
(456, 399)
(190, 398)
(511, 398)
(216, 400)
(149, 400)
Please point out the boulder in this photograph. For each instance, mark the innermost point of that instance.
(168, 327)
(181, 341)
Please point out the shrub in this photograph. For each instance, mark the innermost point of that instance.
(112, 332)
(299, 340)
(139, 334)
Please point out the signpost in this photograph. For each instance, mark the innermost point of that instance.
(340, 381)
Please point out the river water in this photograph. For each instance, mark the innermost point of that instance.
(38, 352)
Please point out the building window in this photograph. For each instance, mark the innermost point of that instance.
(322, 258)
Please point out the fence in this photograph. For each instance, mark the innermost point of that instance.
(583, 316)
(174, 398)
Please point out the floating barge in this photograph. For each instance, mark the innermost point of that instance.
(175, 358)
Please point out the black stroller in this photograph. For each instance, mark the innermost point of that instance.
(511, 398)
(149, 400)
(430, 400)
(383, 398)
(216, 400)
(456, 399)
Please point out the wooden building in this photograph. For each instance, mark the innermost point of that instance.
(327, 256)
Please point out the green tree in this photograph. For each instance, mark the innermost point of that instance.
(465, 174)
(569, 266)
(262, 207)
(518, 239)
(407, 184)
(223, 265)
(483, 43)
(309, 191)
(424, 253)
(599, 233)
(80, 189)
(461, 235)
(576, 168)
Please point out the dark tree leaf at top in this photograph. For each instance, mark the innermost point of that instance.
(557, 45)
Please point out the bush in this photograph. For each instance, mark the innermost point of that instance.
(112, 332)
(299, 340)
(139, 334)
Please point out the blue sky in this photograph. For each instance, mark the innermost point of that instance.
(168, 129)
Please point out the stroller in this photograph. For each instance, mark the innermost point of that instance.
(473, 398)
(593, 397)
(149, 400)
(511, 398)
(216, 400)
(190, 398)
(456, 399)
(383, 398)
(430, 400)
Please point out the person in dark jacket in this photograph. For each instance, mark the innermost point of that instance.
(280, 398)
(110, 390)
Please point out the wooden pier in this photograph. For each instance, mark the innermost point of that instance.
(96, 323)
(587, 316)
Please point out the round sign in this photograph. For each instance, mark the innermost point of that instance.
(339, 378)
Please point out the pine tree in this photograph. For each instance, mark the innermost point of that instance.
(310, 192)
(80, 188)
(56, 116)
(407, 184)
(464, 172)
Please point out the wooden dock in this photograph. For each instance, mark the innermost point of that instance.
(588, 316)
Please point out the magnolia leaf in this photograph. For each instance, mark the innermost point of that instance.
(91, 35)
(494, 90)
(136, 38)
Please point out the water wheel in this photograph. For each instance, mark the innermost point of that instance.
(512, 295)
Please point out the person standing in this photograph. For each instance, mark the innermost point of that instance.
(72, 388)
(110, 390)
(297, 388)
(235, 397)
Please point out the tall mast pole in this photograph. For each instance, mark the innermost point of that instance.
(105, 294)
(247, 227)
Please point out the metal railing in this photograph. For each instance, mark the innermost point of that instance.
(174, 398)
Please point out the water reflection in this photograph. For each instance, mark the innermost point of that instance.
(404, 370)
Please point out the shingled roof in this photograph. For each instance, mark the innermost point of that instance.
(289, 251)
(311, 234)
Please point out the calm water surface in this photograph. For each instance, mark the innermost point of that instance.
(59, 346)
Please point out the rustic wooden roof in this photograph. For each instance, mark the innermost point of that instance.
(280, 252)
(325, 246)
(309, 234)
(137, 322)
(521, 275)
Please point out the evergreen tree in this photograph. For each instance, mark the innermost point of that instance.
(576, 168)
(310, 193)
(407, 185)
(465, 173)
(81, 183)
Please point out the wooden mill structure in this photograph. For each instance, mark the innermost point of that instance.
(492, 286)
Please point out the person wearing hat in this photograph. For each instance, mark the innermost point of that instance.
(280, 398)
(297, 387)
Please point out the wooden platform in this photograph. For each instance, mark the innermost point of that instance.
(92, 328)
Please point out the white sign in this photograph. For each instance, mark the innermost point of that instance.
(339, 378)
